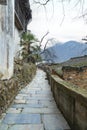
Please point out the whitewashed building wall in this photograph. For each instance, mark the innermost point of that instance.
(14, 17)
(17, 42)
(7, 46)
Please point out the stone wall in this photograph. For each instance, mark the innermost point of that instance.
(71, 101)
(23, 74)
(76, 75)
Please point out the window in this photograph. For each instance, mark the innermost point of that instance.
(3, 2)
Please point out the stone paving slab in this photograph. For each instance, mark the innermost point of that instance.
(34, 108)
(20, 101)
(4, 127)
(32, 101)
(14, 110)
(35, 105)
(27, 127)
(43, 102)
(55, 122)
(43, 92)
(22, 127)
(22, 119)
(28, 106)
(19, 98)
(35, 92)
(48, 102)
(41, 98)
(41, 110)
(34, 95)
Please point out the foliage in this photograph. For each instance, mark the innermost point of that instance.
(28, 38)
(30, 52)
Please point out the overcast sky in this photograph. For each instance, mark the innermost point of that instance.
(62, 22)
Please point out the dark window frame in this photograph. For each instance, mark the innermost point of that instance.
(3, 2)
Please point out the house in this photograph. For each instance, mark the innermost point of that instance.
(14, 17)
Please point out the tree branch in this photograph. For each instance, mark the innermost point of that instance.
(46, 45)
(84, 39)
(43, 38)
(63, 12)
(40, 3)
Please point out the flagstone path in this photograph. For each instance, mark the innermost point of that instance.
(34, 108)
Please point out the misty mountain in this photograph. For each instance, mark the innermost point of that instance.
(62, 52)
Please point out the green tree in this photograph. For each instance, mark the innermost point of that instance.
(30, 52)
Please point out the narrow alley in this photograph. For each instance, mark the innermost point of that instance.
(34, 108)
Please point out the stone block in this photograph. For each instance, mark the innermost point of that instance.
(14, 110)
(27, 127)
(4, 127)
(55, 122)
(20, 101)
(22, 119)
(41, 110)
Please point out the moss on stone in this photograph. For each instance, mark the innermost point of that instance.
(72, 88)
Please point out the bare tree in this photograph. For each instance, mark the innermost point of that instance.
(85, 41)
(47, 42)
(44, 2)
(79, 3)
(49, 55)
(40, 43)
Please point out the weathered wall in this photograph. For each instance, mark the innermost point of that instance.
(7, 39)
(76, 75)
(71, 101)
(17, 43)
(23, 74)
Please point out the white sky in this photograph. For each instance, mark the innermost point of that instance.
(50, 19)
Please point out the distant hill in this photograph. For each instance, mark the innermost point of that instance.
(77, 61)
(63, 52)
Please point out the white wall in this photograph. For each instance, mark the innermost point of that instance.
(17, 42)
(7, 46)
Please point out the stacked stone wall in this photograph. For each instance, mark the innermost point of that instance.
(23, 74)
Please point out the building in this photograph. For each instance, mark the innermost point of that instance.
(14, 17)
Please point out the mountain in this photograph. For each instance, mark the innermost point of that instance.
(63, 52)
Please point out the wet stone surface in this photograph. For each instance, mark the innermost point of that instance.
(34, 108)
